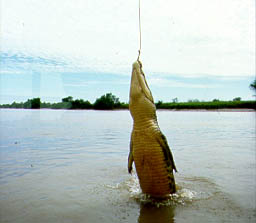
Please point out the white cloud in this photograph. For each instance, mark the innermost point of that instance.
(163, 82)
(95, 83)
(10, 71)
(196, 36)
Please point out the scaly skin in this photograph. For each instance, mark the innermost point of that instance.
(148, 146)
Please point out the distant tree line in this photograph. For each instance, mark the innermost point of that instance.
(214, 104)
(110, 102)
(105, 102)
(34, 103)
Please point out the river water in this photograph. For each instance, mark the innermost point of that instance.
(71, 166)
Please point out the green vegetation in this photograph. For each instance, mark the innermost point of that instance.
(215, 104)
(110, 102)
(107, 101)
(253, 86)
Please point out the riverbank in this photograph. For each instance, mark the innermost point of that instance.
(158, 109)
(212, 110)
(209, 105)
(111, 102)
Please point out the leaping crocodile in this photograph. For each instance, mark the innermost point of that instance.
(148, 146)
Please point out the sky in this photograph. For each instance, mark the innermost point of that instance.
(196, 49)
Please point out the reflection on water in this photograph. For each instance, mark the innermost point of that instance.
(71, 166)
(151, 214)
(198, 199)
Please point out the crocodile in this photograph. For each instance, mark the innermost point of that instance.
(149, 148)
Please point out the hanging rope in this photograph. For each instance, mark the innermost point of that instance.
(139, 32)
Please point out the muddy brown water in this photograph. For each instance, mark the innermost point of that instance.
(71, 166)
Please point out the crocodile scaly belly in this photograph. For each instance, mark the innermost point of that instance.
(150, 164)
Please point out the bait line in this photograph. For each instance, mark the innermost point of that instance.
(139, 32)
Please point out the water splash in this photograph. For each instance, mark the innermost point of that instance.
(131, 186)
